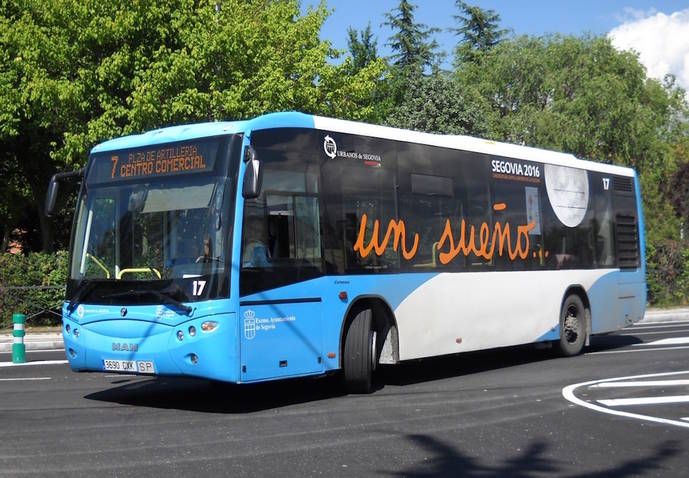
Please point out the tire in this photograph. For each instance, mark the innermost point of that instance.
(572, 326)
(359, 354)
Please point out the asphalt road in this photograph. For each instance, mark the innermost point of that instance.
(509, 412)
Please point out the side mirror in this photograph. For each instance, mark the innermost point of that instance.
(51, 196)
(253, 175)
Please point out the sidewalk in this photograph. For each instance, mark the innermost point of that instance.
(47, 339)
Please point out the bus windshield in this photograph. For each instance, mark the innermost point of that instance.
(160, 230)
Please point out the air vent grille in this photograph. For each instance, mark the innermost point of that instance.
(627, 235)
(622, 184)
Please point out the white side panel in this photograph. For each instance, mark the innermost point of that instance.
(496, 309)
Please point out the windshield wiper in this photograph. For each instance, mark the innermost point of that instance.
(164, 295)
(82, 291)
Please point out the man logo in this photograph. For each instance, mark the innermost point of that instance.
(330, 147)
(249, 324)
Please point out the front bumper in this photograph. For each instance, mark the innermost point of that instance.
(212, 354)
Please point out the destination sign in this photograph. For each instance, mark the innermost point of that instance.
(154, 161)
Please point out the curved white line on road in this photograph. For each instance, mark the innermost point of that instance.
(625, 402)
(568, 394)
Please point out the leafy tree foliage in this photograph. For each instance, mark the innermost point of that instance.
(362, 47)
(411, 42)
(21, 278)
(667, 277)
(479, 31)
(437, 104)
(414, 51)
(76, 72)
(678, 190)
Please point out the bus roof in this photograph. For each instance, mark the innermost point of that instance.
(172, 133)
(301, 120)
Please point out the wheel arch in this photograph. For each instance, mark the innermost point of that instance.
(384, 323)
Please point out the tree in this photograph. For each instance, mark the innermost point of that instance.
(437, 104)
(478, 30)
(413, 51)
(678, 188)
(76, 72)
(363, 51)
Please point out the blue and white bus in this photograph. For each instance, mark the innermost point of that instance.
(293, 245)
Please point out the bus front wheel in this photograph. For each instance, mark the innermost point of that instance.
(359, 353)
(572, 326)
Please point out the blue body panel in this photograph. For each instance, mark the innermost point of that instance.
(309, 331)
(152, 332)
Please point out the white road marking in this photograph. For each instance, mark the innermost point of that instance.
(686, 418)
(648, 326)
(19, 379)
(568, 394)
(627, 351)
(670, 341)
(38, 362)
(625, 402)
(646, 383)
(634, 334)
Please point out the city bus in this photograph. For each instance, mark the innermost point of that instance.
(293, 245)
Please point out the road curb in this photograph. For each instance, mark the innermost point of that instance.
(39, 341)
(665, 315)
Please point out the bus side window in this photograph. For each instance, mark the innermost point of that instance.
(425, 207)
(569, 246)
(255, 251)
(293, 229)
(521, 208)
(354, 191)
(603, 222)
(477, 210)
(281, 238)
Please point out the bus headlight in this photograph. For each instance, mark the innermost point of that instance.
(209, 326)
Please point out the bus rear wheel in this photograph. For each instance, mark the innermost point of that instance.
(358, 360)
(572, 326)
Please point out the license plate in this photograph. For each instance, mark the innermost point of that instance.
(129, 366)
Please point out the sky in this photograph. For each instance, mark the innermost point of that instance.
(657, 30)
